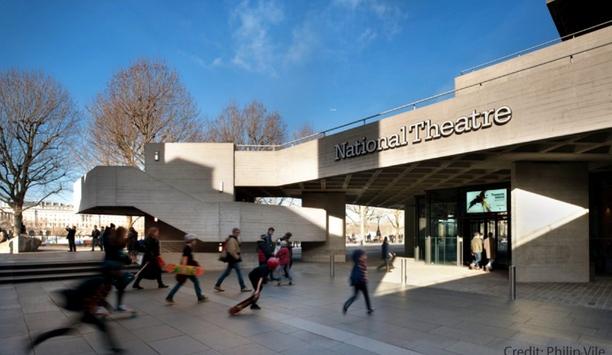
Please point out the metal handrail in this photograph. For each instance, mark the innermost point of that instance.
(532, 48)
(413, 104)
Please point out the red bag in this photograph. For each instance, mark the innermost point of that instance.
(161, 262)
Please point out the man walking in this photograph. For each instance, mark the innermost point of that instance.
(476, 246)
(95, 238)
(233, 259)
(70, 236)
(265, 246)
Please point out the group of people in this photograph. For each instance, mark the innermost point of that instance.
(478, 245)
(89, 297)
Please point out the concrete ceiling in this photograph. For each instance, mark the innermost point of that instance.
(389, 187)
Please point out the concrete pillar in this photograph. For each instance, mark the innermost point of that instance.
(410, 227)
(335, 206)
(550, 221)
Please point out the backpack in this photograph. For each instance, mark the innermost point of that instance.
(223, 254)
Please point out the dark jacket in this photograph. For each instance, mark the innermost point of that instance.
(132, 244)
(359, 273)
(385, 250)
(71, 233)
(151, 252)
(265, 248)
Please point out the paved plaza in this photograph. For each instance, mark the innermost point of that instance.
(432, 315)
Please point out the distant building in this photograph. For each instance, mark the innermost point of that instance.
(51, 218)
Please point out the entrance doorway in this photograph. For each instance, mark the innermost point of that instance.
(490, 226)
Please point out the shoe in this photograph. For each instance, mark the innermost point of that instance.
(138, 287)
(344, 309)
(219, 289)
(290, 283)
(255, 306)
(169, 300)
(278, 284)
(117, 350)
(162, 286)
(244, 289)
(202, 299)
(101, 312)
(123, 308)
(370, 311)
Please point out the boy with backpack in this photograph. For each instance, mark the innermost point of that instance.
(359, 280)
(187, 259)
(231, 256)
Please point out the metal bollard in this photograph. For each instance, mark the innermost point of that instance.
(459, 251)
(427, 250)
(512, 277)
(332, 266)
(417, 253)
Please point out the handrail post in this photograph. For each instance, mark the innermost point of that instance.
(512, 277)
(332, 266)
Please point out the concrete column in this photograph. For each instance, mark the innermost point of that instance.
(335, 206)
(410, 227)
(550, 222)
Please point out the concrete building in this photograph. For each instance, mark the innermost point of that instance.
(520, 150)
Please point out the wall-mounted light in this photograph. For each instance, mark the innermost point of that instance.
(156, 156)
(221, 186)
(155, 219)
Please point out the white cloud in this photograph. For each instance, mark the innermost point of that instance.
(367, 36)
(254, 49)
(303, 42)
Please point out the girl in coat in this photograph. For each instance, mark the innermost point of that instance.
(284, 259)
(359, 280)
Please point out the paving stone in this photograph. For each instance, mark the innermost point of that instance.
(181, 345)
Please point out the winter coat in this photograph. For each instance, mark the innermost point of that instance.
(359, 273)
(476, 245)
(385, 250)
(265, 248)
(489, 247)
(232, 247)
(283, 256)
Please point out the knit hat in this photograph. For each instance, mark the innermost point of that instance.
(189, 237)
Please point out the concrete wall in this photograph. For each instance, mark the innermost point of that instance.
(550, 224)
(335, 206)
(551, 100)
(204, 171)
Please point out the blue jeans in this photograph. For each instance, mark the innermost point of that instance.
(228, 270)
(196, 287)
(477, 258)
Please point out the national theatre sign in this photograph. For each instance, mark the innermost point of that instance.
(424, 131)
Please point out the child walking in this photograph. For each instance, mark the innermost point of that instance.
(187, 259)
(359, 280)
(284, 260)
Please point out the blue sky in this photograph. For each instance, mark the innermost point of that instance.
(322, 62)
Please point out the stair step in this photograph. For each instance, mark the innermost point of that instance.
(49, 277)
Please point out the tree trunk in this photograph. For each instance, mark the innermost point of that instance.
(362, 220)
(17, 220)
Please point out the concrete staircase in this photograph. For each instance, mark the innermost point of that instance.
(49, 271)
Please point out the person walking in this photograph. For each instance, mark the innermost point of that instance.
(287, 238)
(132, 244)
(265, 246)
(476, 246)
(359, 280)
(106, 235)
(152, 269)
(385, 256)
(84, 298)
(283, 256)
(114, 259)
(95, 238)
(187, 259)
(232, 257)
(489, 248)
(71, 236)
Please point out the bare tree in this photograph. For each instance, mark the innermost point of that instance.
(304, 132)
(360, 215)
(145, 103)
(396, 219)
(251, 125)
(37, 119)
